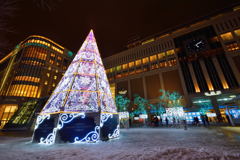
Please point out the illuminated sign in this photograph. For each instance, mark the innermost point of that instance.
(143, 116)
(211, 115)
(123, 115)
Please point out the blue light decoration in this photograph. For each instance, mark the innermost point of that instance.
(190, 116)
(81, 108)
(235, 113)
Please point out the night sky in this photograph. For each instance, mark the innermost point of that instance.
(68, 22)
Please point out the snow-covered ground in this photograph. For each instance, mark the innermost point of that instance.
(138, 143)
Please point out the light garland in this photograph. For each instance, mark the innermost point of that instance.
(67, 118)
(92, 136)
(115, 134)
(104, 118)
(84, 84)
(40, 119)
(50, 139)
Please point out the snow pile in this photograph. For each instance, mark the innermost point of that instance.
(149, 144)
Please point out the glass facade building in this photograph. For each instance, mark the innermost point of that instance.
(30, 71)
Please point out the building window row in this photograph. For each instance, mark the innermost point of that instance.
(143, 61)
(57, 49)
(39, 42)
(21, 90)
(229, 24)
(232, 47)
(46, 44)
(228, 36)
(31, 62)
(143, 52)
(27, 78)
(118, 73)
(32, 52)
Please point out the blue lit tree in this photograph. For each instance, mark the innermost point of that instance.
(170, 99)
(153, 109)
(157, 109)
(204, 106)
(160, 109)
(122, 102)
(141, 104)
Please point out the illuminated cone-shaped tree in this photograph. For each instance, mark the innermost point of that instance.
(81, 108)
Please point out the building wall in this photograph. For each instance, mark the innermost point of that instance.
(153, 86)
(172, 81)
(137, 87)
(192, 72)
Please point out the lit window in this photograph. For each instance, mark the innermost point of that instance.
(214, 39)
(161, 55)
(53, 85)
(153, 58)
(232, 47)
(145, 60)
(49, 68)
(56, 71)
(46, 82)
(138, 62)
(170, 52)
(124, 66)
(48, 74)
(237, 32)
(27, 78)
(227, 36)
(55, 77)
(23, 90)
(107, 71)
(119, 68)
(112, 70)
(131, 64)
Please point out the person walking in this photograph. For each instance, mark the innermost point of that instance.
(203, 120)
(166, 119)
(207, 120)
(185, 124)
(197, 121)
(156, 121)
(174, 122)
(160, 120)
